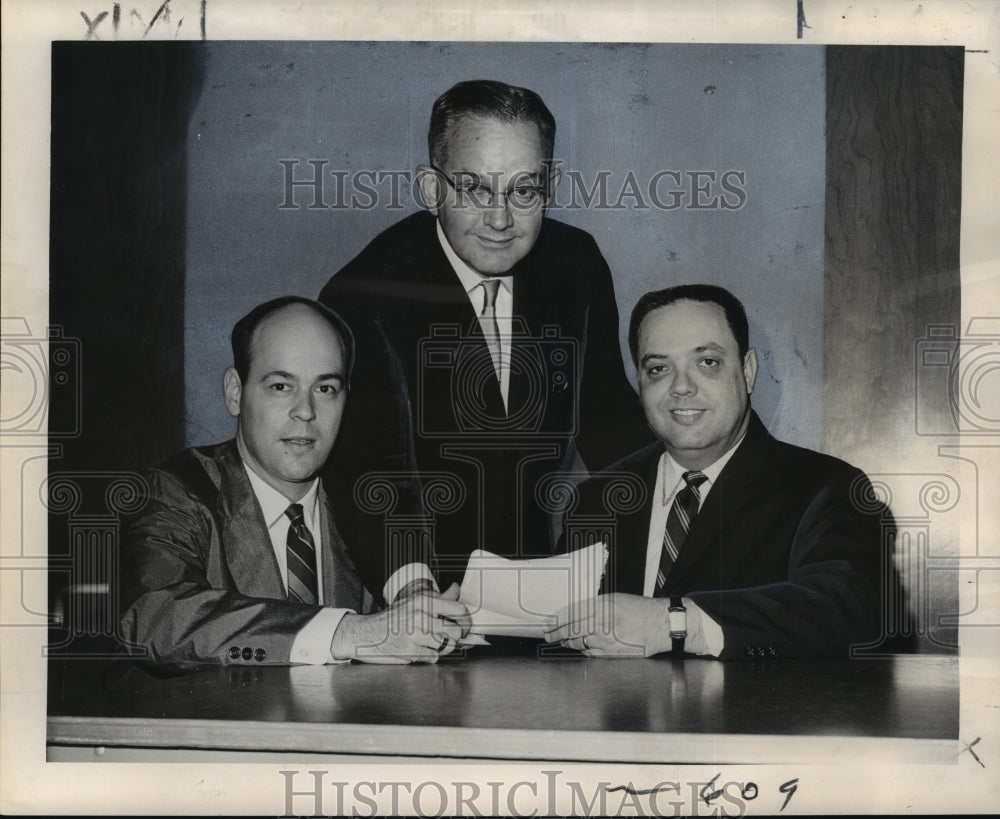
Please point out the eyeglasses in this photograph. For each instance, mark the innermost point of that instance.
(471, 192)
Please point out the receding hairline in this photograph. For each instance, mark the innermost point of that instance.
(463, 120)
(277, 313)
(690, 300)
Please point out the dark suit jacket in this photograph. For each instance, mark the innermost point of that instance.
(426, 411)
(788, 554)
(200, 583)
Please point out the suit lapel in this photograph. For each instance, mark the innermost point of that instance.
(341, 584)
(452, 308)
(530, 299)
(738, 484)
(632, 530)
(245, 540)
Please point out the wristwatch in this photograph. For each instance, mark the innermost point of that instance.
(677, 618)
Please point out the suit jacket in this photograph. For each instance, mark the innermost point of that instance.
(426, 412)
(788, 553)
(200, 583)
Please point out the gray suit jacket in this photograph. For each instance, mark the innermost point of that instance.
(200, 583)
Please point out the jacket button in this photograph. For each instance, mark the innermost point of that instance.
(259, 655)
(772, 651)
(750, 652)
(248, 653)
(234, 653)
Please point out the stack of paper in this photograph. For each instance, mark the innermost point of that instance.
(520, 598)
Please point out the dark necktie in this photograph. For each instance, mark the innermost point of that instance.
(682, 512)
(302, 585)
(491, 330)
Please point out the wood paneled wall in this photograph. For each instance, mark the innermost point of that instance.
(893, 197)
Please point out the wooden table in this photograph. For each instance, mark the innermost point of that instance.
(485, 706)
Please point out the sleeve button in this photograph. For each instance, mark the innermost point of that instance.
(259, 655)
(248, 653)
(234, 653)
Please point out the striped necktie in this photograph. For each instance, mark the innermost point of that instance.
(488, 321)
(302, 584)
(682, 512)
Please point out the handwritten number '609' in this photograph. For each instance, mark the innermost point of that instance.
(749, 791)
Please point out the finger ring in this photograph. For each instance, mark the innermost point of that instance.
(443, 646)
(585, 646)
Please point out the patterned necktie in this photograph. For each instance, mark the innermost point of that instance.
(682, 512)
(302, 585)
(491, 330)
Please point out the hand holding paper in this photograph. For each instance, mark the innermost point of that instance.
(520, 598)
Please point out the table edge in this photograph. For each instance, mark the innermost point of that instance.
(492, 743)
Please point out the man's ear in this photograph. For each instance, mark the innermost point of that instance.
(429, 186)
(233, 390)
(750, 369)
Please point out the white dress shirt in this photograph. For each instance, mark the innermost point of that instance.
(503, 308)
(312, 644)
(704, 634)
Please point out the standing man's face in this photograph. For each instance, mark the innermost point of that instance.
(290, 407)
(501, 156)
(693, 386)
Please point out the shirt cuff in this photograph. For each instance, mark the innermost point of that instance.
(705, 636)
(401, 577)
(312, 644)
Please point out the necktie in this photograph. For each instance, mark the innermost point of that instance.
(488, 321)
(302, 585)
(682, 512)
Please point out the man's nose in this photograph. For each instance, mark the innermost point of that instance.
(497, 214)
(682, 384)
(304, 409)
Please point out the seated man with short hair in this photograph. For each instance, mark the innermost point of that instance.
(235, 555)
(726, 542)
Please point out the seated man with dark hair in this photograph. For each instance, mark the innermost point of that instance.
(726, 542)
(235, 556)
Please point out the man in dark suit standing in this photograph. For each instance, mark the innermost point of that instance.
(723, 541)
(488, 351)
(235, 556)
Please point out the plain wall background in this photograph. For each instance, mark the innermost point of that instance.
(619, 108)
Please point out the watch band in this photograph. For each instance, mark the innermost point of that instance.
(677, 615)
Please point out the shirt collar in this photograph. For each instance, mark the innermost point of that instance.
(273, 504)
(469, 278)
(672, 471)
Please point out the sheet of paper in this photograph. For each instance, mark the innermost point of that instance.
(520, 598)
